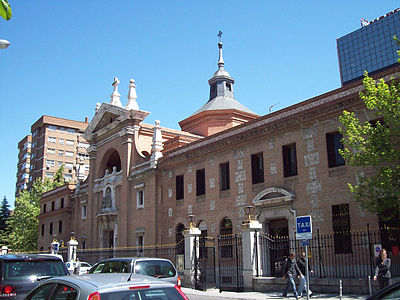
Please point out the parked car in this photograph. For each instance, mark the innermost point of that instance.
(84, 268)
(390, 292)
(21, 273)
(106, 287)
(156, 267)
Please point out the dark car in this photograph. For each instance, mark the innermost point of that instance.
(106, 287)
(390, 292)
(21, 273)
(157, 267)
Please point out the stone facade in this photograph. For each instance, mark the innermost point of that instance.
(135, 193)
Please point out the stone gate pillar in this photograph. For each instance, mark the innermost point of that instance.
(191, 236)
(251, 254)
(72, 249)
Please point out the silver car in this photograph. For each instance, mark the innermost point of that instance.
(106, 287)
(157, 267)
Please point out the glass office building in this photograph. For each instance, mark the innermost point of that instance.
(370, 48)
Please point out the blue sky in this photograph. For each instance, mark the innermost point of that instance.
(64, 54)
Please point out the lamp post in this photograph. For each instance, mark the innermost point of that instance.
(248, 210)
(190, 220)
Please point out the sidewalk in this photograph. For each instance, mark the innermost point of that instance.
(259, 295)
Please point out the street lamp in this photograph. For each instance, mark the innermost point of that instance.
(248, 209)
(4, 44)
(191, 219)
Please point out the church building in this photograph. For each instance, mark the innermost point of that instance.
(146, 179)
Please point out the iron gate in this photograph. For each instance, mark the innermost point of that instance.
(204, 268)
(230, 262)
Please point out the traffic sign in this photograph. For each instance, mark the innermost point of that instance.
(304, 228)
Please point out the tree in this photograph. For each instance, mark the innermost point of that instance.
(24, 221)
(377, 145)
(4, 218)
(5, 10)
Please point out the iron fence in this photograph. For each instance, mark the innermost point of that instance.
(337, 255)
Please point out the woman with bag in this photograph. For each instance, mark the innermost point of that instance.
(382, 272)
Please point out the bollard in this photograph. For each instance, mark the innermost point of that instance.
(340, 289)
(369, 285)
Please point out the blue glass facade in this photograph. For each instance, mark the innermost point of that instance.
(370, 48)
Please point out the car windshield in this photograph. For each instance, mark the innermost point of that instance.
(19, 269)
(156, 268)
(169, 293)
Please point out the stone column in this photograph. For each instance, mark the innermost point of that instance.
(191, 252)
(250, 228)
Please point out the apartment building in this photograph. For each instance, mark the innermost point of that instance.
(53, 142)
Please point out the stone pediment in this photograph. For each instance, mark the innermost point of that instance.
(105, 115)
(273, 196)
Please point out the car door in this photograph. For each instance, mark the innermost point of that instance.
(43, 292)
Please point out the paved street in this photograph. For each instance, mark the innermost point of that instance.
(214, 294)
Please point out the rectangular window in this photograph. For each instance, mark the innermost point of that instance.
(257, 168)
(179, 187)
(50, 163)
(69, 153)
(51, 139)
(289, 160)
(200, 182)
(70, 130)
(62, 203)
(51, 151)
(60, 163)
(60, 152)
(53, 205)
(59, 226)
(49, 174)
(52, 127)
(333, 145)
(140, 198)
(61, 141)
(224, 176)
(51, 228)
(44, 208)
(69, 142)
(341, 228)
(42, 229)
(84, 211)
(69, 165)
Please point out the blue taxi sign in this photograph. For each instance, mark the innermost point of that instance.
(304, 228)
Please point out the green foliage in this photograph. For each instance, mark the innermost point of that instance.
(24, 222)
(5, 10)
(4, 218)
(377, 145)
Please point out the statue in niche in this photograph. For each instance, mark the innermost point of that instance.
(106, 203)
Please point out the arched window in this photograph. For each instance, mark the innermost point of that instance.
(226, 238)
(226, 227)
(179, 239)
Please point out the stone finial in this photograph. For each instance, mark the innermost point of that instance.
(97, 106)
(115, 96)
(157, 145)
(132, 104)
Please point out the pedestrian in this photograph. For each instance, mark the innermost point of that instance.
(382, 270)
(301, 262)
(290, 271)
(77, 268)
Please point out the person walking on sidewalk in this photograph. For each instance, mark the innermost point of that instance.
(301, 262)
(382, 270)
(290, 271)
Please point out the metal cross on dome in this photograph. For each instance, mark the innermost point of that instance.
(219, 35)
